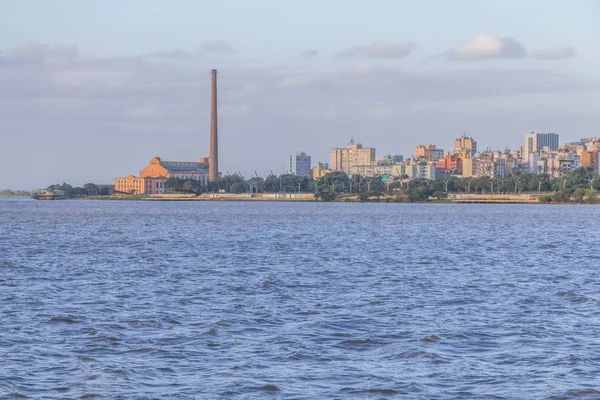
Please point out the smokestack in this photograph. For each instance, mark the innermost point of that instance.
(213, 161)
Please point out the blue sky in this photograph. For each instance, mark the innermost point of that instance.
(108, 85)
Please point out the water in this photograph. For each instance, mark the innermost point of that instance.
(298, 301)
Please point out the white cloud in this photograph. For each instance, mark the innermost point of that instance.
(204, 49)
(144, 111)
(378, 112)
(174, 54)
(34, 53)
(219, 47)
(370, 70)
(313, 113)
(93, 78)
(379, 50)
(297, 81)
(234, 110)
(487, 46)
(309, 54)
(555, 53)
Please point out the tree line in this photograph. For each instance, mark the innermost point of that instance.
(578, 185)
(14, 193)
(87, 190)
(570, 185)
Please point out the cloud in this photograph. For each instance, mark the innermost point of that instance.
(379, 50)
(486, 46)
(144, 111)
(36, 53)
(174, 54)
(372, 70)
(204, 49)
(93, 78)
(297, 81)
(309, 54)
(312, 113)
(555, 53)
(234, 110)
(219, 47)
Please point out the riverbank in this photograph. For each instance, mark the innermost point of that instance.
(309, 197)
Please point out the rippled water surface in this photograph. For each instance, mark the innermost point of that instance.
(302, 301)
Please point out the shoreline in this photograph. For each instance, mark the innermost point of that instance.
(453, 198)
(309, 197)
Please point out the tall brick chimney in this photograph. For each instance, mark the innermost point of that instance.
(213, 161)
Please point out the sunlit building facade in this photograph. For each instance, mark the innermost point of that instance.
(152, 177)
(342, 159)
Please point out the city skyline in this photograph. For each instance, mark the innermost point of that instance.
(84, 103)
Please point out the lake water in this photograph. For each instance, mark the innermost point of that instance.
(227, 300)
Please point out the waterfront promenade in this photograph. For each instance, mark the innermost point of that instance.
(304, 197)
(232, 197)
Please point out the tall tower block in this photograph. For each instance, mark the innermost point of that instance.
(213, 160)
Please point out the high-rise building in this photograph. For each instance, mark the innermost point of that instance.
(341, 159)
(429, 152)
(414, 169)
(390, 159)
(465, 144)
(319, 170)
(298, 164)
(535, 142)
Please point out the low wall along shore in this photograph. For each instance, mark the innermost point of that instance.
(452, 197)
(233, 197)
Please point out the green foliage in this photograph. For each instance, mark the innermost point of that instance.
(363, 196)
(579, 185)
(180, 185)
(592, 198)
(578, 195)
(325, 193)
(238, 187)
(562, 196)
(15, 193)
(418, 194)
(440, 195)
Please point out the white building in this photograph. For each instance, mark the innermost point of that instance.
(537, 141)
(371, 170)
(299, 164)
(417, 170)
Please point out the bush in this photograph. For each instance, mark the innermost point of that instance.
(238, 187)
(562, 196)
(546, 198)
(418, 194)
(592, 198)
(324, 193)
(440, 195)
(578, 195)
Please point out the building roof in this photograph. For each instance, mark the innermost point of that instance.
(185, 166)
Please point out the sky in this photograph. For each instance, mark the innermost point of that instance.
(90, 91)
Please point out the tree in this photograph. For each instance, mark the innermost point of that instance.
(418, 194)
(238, 187)
(188, 186)
(440, 195)
(173, 183)
(325, 193)
(91, 188)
